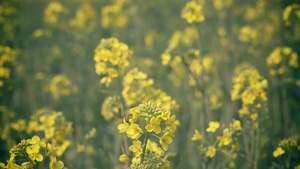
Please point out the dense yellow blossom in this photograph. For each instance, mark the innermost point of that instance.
(110, 55)
(248, 86)
(281, 60)
(8, 58)
(114, 15)
(52, 12)
(248, 34)
(60, 86)
(84, 19)
(192, 12)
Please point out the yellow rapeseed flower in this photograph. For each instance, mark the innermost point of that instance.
(54, 164)
(196, 136)
(154, 125)
(211, 152)
(165, 140)
(134, 131)
(136, 148)
(123, 158)
(279, 151)
(213, 126)
(192, 12)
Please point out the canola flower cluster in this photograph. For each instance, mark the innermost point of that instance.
(153, 116)
(8, 58)
(138, 89)
(52, 12)
(281, 60)
(110, 107)
(222, 4)
(32, 151)
(229, 139)
(114, 15)
(250, 87)
(60, 86)
(84, 19)
(289, 11)
(54, 126)
(111, 56)
(287, 146)
(248, 34)
(192, 12)
(187, 37)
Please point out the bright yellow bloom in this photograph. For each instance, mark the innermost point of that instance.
(154, 125)
(136, 148)
(123, 127)
(134, 131)
(196, 136)
(236, 124)
(213, 126)
(279, 151)
(34, 140)
(211, 152)
(165, 140)
(297, 167)
(100, 68)
(34, 152)
(124, 158)
(225, 139)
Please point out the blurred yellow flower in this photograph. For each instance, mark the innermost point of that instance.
(196, 136)
(279, 151)
(123, 158)
(211, 152)
(192, 12)
(213, 126)
(54, 164)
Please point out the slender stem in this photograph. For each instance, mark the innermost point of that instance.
(144, 148)
(245, 139)
(285, 112)
(256, 155)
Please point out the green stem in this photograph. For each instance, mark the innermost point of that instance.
(144, 148)
(256, 153)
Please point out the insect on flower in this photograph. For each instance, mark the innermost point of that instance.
(127, 117)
